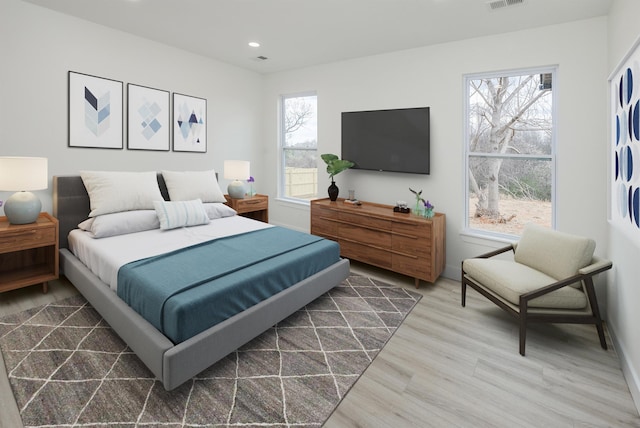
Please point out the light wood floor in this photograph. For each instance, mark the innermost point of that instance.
(449, 366)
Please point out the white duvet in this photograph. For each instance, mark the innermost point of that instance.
(105, 256)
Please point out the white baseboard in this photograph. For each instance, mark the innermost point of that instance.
(630, 373)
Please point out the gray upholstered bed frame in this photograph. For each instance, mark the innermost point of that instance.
(174, 364)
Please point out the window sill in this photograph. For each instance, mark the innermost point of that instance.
(476, 236)
(295, 203)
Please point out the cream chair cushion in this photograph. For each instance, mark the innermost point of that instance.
(554, 253)
(510, 279)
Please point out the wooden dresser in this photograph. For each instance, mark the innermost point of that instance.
(374, 234)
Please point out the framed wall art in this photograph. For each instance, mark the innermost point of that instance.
(624, 86)
(148, 118)
(95, 112)
(189, 123)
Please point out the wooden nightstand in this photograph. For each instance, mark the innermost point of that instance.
(255, 207)
(28, 253)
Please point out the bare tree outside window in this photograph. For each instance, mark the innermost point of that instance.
(299, 147)
(510, 151)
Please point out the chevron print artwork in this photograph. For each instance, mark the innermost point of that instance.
(97, 111)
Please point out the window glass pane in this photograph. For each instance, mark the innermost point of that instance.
(300, 122)
(510, 115)
(301, 173)
(299, 147)
(510, 149)
(524, 194)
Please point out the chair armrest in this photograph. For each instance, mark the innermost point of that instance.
(551, 287)
(495, 252)
(597, 265)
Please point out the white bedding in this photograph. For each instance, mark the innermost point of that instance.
(105, 256)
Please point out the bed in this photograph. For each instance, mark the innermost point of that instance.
(174, 362)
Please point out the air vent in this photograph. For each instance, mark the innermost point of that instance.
(500, 4)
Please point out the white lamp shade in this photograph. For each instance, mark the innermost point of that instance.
(23, 173)
(237, 170)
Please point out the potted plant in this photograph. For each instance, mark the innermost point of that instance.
(335, 166)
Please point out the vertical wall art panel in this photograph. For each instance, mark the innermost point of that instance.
(189, 123)
(624, 86)
(148, 118)
(95, 112)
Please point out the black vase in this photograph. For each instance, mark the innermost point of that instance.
(333, 191)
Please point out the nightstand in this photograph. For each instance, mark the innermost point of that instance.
(255, 207)
(28, 253)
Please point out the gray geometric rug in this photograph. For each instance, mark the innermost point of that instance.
(68, 368)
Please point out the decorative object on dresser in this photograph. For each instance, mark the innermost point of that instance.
(251, 180)
(335, 166)
(255, 207)
(375, 234)
(238, 171)
(21, 174)
(28, 253)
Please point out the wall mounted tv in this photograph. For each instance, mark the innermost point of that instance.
(387, 140)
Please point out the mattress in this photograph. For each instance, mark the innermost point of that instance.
(105, 256)
(186, 282)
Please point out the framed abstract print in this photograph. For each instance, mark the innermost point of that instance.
(624, 87)
(95, 112)
(148, 118)
(189, 123)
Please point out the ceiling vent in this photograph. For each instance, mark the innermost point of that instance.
(500, 4)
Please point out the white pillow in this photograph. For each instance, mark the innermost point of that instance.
(120, 223)
(112, 192)
(189, 185)
(218, 210)
(180, 213)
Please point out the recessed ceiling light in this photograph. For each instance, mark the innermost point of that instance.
(254, 44)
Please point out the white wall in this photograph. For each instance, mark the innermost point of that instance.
(433, 76)
(623, 291)
(40, 46)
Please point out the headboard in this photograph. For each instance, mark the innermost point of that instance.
(71, 203)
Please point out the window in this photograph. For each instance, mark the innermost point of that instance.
(299, 144)
(510, 151)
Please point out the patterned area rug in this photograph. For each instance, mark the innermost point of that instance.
(67, 367)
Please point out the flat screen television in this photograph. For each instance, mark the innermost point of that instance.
(387, 140)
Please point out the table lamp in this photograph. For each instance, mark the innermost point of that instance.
(21, 174)
(236, 170)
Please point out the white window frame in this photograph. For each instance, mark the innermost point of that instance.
(498, 236)
(281, 146)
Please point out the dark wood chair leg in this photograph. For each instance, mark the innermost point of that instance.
(591, 294)
(523, 326)
(463, 293)
(463, 289)
(523, 336)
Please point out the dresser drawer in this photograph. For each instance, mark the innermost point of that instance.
(324, 227)
(252, 204)
(27, 238)
(374, 237)
(365, 221)
(414, 246)
(421, 230)
(412, 266)
(363, 253)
